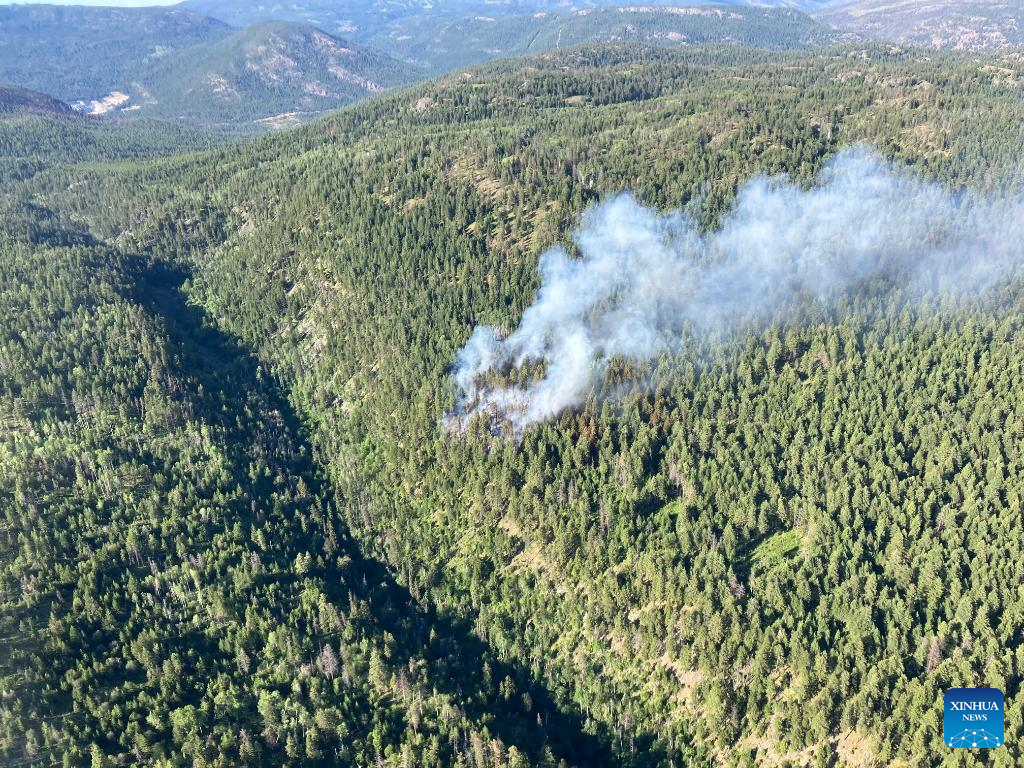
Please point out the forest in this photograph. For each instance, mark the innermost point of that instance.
(235, 530)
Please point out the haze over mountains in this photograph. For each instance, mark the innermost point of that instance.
(245, 66)
(966, 24)
(450, 43)
(366, 20)
(262, 71)
(957, 24)
(178, 64)
(77, 52)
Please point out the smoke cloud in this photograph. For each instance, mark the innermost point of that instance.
(643, 277)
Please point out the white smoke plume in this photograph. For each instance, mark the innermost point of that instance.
(642, 276)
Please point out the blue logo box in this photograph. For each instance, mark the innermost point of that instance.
(973, 718)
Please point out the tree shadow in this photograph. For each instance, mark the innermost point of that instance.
(458, 662)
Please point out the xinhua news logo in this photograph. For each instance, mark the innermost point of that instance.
(973, 718)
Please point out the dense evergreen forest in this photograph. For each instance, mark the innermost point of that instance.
(234, 531)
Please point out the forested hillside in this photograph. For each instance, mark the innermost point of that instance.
(779, 550)
(177, 585)
(37, 131)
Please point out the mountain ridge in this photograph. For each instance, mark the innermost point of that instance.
(177, 64)
(266, 69)
(957, 24)
(80, 52)
(15, 100)
(444, 44)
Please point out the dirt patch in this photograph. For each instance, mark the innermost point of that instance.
(112, 101)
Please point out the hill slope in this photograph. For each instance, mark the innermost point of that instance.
(778, 550)
(958, 24)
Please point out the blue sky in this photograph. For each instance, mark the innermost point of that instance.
(121, 3)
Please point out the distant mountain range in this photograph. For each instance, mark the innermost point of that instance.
(366, 20)
(272, 71)
(176, 63)
(286, 62)
(358, 20)
(243, 65)
(74, 52)
(958, 24)
(457, 42)
(964, 24)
